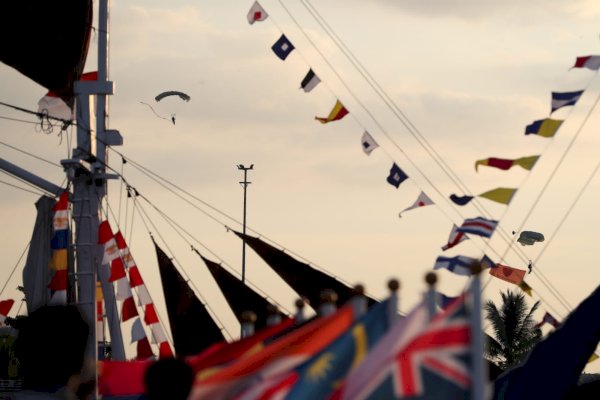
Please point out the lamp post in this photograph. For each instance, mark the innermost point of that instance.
(244, 184)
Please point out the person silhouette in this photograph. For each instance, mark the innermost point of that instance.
(168, 379)
(50, 348)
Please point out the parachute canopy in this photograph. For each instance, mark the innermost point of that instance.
(172, 93)
(528, 238)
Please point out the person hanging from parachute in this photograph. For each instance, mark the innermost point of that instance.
(161, 96)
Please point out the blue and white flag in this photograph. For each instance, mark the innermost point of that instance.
(282, 47)
(396, 176)
(460, 265)
(564, 99)
(368, 143)
(478, 226)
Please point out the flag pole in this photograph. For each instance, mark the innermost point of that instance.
(479, 373)
(244, 184)
(430, 279)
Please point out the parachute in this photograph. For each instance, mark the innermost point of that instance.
(182, 95)
(528, 238)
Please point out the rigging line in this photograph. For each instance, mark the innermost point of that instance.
(121, 190)
(14, 268)
(20, 120)
(23, 189)
(40, 191)
(36, 113)
(388, 136)
(562, 221)
(109, 209)
(174, 224)
(184, 274)
(30, 154)
(411, 128)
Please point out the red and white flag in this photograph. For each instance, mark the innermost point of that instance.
(589, 62)
(256, 13)
(422, 201)
(5, 306)
(455, 238)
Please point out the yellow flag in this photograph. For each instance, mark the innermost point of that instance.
(59, 260)
(527, 162)
(593, 358)
(500, 195)
(338, 112)
(525, 288)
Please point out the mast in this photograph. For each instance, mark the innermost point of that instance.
(86, 170)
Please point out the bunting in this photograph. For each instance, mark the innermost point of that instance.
(396, 176)
(338, 112)
(460, 265)
(367, 142)
(589, 62)
(256, 13)
(499, 195)
(310, 81)
(508, 274)
(563, 99)
(455, 238)
(422, 201)
(479, 226)
(5, 306)
(460, 200)
(506, 164)
(548, 318)
(282, 47)
(59, 262)
(543, 127)
(525, 288)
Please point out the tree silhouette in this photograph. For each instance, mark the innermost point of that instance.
(515, 333)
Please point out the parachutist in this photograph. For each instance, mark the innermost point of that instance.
(530, 266)
(173, 119)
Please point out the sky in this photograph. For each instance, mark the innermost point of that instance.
(468, 76)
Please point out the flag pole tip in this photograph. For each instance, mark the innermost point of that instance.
(248, 316)
(300, 303)
(358, 289)
(431, 279)
(476, 268)
(393, 284)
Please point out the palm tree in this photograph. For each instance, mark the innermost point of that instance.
(515, 333)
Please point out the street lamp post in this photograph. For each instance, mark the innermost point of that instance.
(244, 184)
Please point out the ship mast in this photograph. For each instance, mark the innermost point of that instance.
(87, 173)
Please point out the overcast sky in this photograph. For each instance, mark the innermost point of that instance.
(468, 75)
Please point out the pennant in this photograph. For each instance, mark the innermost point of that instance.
(543, 127)
(165, 351)
(282, 47)
(158, 334)
(563, 99)
(58, 260)
(144, 351)
(593, 358)
(137, 331)
(306, 281)
(499, 195)
(54, 106)
(548, 318)
(505, 164)
(589, 62)
(460, 265)
(368, 143)
(462, 200)
(338, 112)
(150, 316)
(310, 81)
(508, 274)
(256, 13)
(239, 296)
(192, 326)
(479, 226)
(396, 176)
(128, 310)
(525, 288)
(422, 201)
(455, 238)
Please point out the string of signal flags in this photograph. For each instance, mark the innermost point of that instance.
(479, 226)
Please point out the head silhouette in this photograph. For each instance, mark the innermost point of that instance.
(51, 346)
(168, 379)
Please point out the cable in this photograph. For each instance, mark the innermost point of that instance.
(14, 268)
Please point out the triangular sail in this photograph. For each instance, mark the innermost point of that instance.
(304, 279)
(192, 326)
(239, 296)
